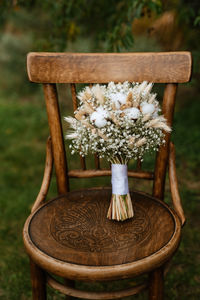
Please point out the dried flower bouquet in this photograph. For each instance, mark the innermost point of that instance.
(120, 122)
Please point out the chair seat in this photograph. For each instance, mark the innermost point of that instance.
(72, 237)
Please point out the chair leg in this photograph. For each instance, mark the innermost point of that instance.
(156, 284)
(70, 283)
(38, 280)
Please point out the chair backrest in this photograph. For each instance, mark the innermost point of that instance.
(49, 69)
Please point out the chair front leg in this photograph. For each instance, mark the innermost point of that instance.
(38, 280)
(156, 284)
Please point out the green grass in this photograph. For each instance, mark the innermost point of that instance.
(23, 133)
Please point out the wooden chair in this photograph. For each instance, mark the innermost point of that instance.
(70, 235)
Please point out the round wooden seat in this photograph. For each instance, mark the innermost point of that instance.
(72, 237)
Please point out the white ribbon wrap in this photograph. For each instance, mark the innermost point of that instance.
(119, 179)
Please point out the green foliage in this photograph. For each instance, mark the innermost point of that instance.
(109, 23)
(189, 12)
(24, 129)
(59, 26)
(35, 25)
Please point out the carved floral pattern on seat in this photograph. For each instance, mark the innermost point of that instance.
(74, 228)
(83, 228)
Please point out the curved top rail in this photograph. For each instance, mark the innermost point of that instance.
(158, 67)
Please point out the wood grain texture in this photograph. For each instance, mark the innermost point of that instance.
(56, 133)
(46, 178)
(174, 185)
(74, 100)
(139, 165)
(38, 282)
(96, 161)
(163, 154)
(156, 285)
(107, 172)
(163, 67)
(75, 239)
(67, 290)
(70, 236)
(79, 232)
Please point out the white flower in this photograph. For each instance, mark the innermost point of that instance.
(132, 113)
(155, 114)
(98, 117)
(102, 112)
(108, 132)
(147, 108)
(118, 99)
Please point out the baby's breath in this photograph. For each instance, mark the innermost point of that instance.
(117, 120)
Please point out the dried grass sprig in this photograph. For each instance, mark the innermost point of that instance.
(98, 94)
(120, 122)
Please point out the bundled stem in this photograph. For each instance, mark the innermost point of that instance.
(120, 207)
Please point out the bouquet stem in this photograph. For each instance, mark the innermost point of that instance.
(120, 207)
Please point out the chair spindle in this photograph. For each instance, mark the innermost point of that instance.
(162, 156)
(74, 100)
(139, 165)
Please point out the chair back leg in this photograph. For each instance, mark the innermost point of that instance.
(156, 284)
(70, 283)
(38, 281)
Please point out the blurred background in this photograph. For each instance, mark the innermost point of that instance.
(89, 26)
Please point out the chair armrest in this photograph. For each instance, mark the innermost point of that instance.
(47, 176)
(174, 185)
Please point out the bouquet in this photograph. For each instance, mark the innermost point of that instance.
(120, 122)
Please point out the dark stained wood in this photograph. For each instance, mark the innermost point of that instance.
(139, 165)
(74, 100)
(77, 230)
(156, 285)
(70, 236)
(107, 172)
(174, 185)
(73, 92)
(67, 283)
(57, 137)
(78, 242)
(67, 290)
(163, 154)
(83, 164)
(96, 158)
(163, 67)
(96, 161)
(46, 178)
(38, 281)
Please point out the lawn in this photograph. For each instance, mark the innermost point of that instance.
(24, 130)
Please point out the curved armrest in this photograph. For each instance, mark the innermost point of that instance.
(174, 185)
(46, 178)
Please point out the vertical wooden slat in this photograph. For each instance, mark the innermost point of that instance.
(73, 91)
(162, 156)
(56, 132)
(96, 161)
(139, 165)
(83, 164)
(74, 100)
(96, 158)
